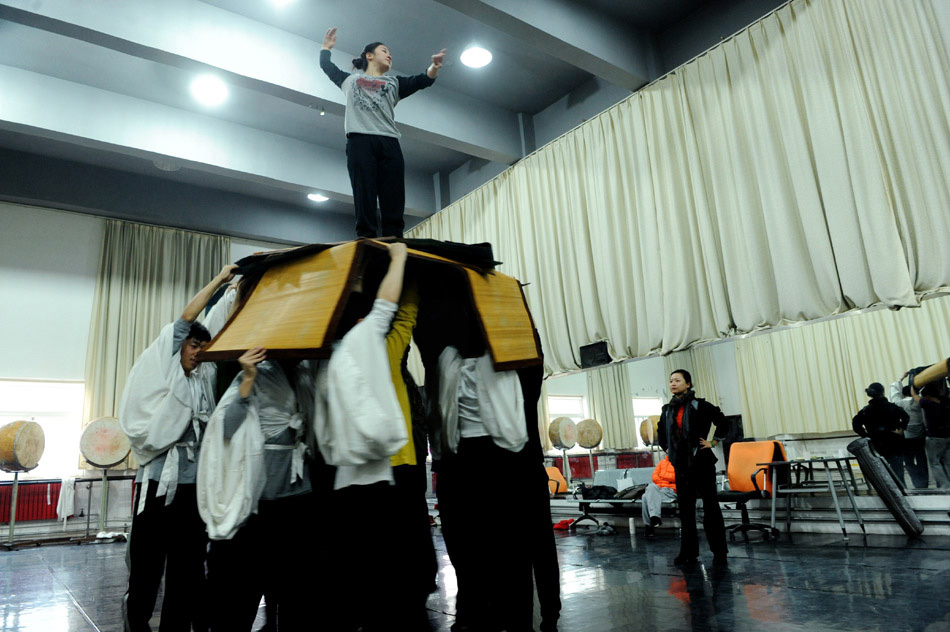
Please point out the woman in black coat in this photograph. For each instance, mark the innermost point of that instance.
(684, 425)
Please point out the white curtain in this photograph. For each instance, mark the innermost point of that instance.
(812, 378)
(699, 362)
(611, 403)
(799, 169)
(146, 277)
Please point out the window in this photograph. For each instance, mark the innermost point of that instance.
(57, 408)
(573, 407)
(644, 407)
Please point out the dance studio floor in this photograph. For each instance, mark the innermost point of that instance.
(609, 583)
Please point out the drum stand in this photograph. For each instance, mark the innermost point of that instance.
(16, 486)
(590, 455)
(566, 465)
(105, 502)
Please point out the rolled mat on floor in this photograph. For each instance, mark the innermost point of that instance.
(877, 472)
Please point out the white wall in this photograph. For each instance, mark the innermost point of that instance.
(48, 266)
(241, 248)
(648, 378)
(572, 384)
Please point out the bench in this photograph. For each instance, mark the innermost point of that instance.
(611, 477)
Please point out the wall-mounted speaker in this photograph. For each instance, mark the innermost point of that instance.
(595, 355)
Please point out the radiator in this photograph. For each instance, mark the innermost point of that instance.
(36, 500)
(580, 465)
(634, 459)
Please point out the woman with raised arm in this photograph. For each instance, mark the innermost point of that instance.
(373, 156)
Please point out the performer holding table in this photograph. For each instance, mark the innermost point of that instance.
(164, 409)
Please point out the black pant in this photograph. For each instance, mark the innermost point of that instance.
(273, 553)
(493, 566)
(377, 170)
(169, 540)
(410, 515)
(547, 575)
(915, 459)
(693, 481)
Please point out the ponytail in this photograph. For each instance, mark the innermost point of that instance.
(361, 63)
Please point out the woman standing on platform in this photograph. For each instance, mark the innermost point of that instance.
(373, 156)
(684, 426)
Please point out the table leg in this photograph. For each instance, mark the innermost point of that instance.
(774, 493)
(788, 514)
(854, 504)
(854, 483)
(834, 498)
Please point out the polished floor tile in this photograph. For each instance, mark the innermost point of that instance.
(615, 583)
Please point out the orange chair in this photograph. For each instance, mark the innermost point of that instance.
(748, 480)
(556, 482)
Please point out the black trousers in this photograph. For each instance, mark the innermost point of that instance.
(377, 171)
(410, 520)
(274, 553)
(171, 541)
(547, 574)
(697, 480)
(915, 460)
(493, 566)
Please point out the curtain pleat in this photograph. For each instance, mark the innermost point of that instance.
(611, 403)
(812, 378)
(798, 170)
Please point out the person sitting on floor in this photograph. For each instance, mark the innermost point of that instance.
(663, 488)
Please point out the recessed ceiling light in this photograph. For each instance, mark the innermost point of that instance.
(476, 57)
(209, 90)
(166, 165)
(316, 197)
(280, 4)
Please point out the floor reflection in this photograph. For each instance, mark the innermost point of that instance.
(613, 583)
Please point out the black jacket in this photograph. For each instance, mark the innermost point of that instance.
(698, 418)
(937, 417)
(878, 421)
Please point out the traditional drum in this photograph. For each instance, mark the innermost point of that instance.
(648, 429)
(103, 443)
(21, 446)
(563, 433)
(589, 433)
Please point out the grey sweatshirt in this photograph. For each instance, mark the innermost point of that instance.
(277, 463)
(370, 101)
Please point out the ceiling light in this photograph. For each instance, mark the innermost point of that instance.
(166, 165)
(316, 197)
(280, 4)
(476, 57)
(209, 90)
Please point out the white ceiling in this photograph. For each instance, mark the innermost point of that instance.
(106, 84)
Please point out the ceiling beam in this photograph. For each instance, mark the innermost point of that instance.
(573, 33)
(193, 35)
(83, 115)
